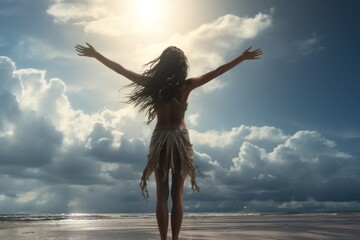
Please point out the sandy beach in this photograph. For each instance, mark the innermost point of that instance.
(195, 227)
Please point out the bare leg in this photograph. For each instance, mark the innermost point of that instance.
(162, 189)
(177, 212)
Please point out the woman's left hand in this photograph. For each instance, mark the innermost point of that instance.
(250, 55)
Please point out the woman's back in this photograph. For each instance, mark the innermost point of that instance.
(172, 113)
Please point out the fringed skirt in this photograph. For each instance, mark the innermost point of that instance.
(177, 147)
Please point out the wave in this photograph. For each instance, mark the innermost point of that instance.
(97, 216)
(70, 216)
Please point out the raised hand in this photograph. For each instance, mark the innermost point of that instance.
(250, 55)
(85, 51)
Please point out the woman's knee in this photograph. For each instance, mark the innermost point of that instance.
(177, 188)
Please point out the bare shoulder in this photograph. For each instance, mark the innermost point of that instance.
(184, 91)
(188, 85)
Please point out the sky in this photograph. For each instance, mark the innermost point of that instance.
(280, 133)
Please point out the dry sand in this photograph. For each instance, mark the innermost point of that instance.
(257, 227)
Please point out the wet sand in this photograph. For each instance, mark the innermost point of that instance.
(252, 227)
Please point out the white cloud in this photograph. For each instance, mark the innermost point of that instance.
(250, 156)
(8, 81)
(209, 43)
(266, 133)
(287, 169)
(56, 158)
(108, 17)
(43, 138)
(206, 45)
(216, 139)
(77, 12)
(26, 197)
(193, 119)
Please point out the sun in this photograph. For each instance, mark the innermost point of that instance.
(139, 16)
(147, 14)
(149, 11)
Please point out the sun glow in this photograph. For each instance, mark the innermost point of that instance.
(148, 14)
(149, 11)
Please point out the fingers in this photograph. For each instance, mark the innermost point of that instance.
(89, 45)
(247, 50)
(249, 55)
(258, 50)
(81, 51)
(80, 47)
(257, 53)
(85, 51)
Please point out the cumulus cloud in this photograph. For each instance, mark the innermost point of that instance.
(209, 43)
(55, 158)
(265, 135)
(44, 140)
(284, 169)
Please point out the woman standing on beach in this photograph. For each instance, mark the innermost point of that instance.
(162, 91)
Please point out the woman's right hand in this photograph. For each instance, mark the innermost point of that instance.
(85, 51)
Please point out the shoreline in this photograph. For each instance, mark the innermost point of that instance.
(195, 227)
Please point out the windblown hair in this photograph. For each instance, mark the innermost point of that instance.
(165, 75)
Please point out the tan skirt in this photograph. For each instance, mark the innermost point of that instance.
(176, 142)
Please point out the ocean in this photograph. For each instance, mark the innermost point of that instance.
(196, 226)
(108, 216)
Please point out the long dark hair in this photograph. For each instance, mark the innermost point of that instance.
(165, 75)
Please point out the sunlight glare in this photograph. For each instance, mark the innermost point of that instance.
(148, 14)
(149, 10)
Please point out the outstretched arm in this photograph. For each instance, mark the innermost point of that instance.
(91, 52)
(246, 55)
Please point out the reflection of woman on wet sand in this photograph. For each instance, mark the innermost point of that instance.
(162, 91)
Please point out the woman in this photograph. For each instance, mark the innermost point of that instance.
(162, 91)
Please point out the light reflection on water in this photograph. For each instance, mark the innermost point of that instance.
(219, 226)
